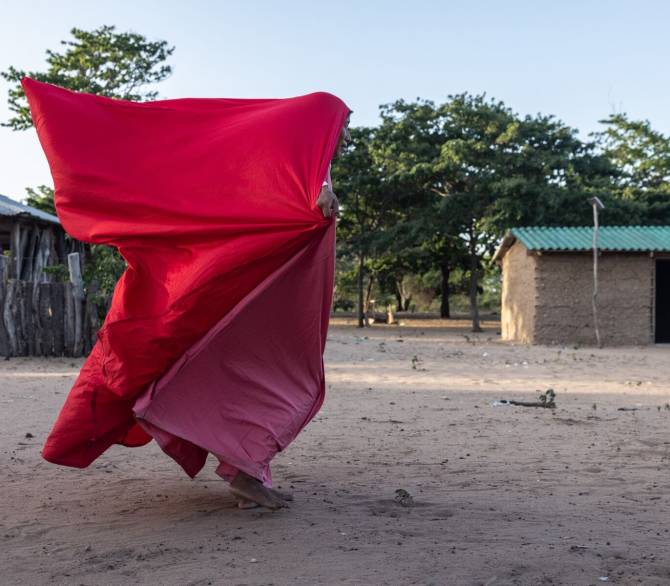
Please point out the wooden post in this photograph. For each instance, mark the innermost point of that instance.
(92, 322)
(9, 317)
(594, 298)
(57, 325)
(78, 298)
(19, 239)
(4, 339)
(59, 247)
(27, 317)
(597, 204)
(42, 255)
(15, 250)
(43, 342)
(31, 253)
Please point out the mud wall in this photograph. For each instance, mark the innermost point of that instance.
(564, 286)
(517, 318)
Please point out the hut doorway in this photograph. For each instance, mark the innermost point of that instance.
(663, 301)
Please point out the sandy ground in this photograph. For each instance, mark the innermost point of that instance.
(502, 495)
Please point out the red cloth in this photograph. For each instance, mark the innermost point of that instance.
(205, 199)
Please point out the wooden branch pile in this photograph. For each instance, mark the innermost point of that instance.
(46, 319)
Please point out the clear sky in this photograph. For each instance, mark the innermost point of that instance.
(580, 60)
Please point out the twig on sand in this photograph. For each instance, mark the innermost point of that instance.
(546, 400)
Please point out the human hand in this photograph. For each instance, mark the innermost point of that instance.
(327, 202)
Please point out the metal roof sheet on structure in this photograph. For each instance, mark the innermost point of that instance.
(579, 239)
(9, 207)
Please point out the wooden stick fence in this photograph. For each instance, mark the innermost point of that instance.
(46, 319)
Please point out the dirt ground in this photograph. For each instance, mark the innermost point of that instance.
(502, 495)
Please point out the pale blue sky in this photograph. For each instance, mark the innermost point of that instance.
(579, 60)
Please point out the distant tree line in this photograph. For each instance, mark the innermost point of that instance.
(427, 193)
(433, 188)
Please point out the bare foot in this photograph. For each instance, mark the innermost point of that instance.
(243, 503)
(285, 496)
(249, 488)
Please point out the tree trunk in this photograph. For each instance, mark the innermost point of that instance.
(474, 281)
(445, 310)
(399, 294)
(398, 299)
(361, 298)
(368, 294)
(403, 299)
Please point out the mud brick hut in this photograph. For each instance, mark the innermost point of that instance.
(548, 285)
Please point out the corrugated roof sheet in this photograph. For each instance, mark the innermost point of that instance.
(614, 238)
(610, 238)
(9, 207)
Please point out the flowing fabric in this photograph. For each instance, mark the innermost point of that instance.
(215, 336)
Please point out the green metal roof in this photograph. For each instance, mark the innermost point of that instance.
(610, 238)
(624, 238)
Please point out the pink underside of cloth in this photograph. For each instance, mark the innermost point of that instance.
(249, 386)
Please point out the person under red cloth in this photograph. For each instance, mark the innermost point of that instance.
(189, 422)
(218, 207)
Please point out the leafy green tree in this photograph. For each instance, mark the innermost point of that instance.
(641, 157)
(476, 169)
(102, 62)
(549, 176)
(366, 197)
(409, 140)
(42, 198)
(106, 63)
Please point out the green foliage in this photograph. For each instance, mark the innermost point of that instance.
(640, 192)
(367, 207)
(444, 182)
(104, 268)
(102, 62)
(42, 198)
(106, 63)
(59, 273)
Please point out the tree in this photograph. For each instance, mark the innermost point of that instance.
(550, 175)
(101, 62)
(477, 169)
(42, 198)
(641, 156)
(477, 137)
(409, 140)
(366, 205)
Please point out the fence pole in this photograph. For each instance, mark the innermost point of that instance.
(74, 266)
(4, 339)
(597, 205)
